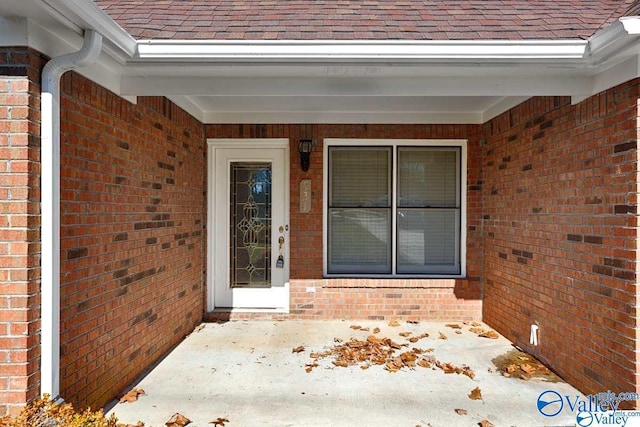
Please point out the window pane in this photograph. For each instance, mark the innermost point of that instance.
(428, 241)
(359, 177)
(428, 177)
(359, 241)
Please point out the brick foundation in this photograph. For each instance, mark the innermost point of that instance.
(560, 208)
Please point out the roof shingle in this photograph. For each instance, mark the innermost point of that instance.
(365, 19)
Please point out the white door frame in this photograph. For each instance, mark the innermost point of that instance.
(240, 143)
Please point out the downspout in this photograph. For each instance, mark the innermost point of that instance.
(50, 206)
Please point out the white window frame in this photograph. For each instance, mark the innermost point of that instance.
(394, 143)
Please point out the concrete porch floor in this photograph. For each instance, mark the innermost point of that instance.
(246, 372)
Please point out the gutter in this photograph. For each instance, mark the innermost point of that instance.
(631, 24)
(50, 206)
(328, 50)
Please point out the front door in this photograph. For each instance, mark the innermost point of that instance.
(249, 220)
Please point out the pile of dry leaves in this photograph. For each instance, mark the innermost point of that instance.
(394, 356)
(517, 364)
(383, 351)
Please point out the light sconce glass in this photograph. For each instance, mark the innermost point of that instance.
(305, 147)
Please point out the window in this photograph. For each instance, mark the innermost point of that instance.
(394, 208)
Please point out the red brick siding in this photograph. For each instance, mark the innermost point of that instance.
(560, 206)
(19, 227)
(132, 246)
(363, 298)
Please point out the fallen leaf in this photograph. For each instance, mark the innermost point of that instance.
(363, 367)
(394, 324)
(199, 327)
(404, 334)
(461, 411)
(394, 344)
(490, 334)
(177, 420)
(132, 395)
(459, 332)
(486, 423)
(477, 330)
(453, 325)
(341, 362)
(476, 324)
(442, 336)
(413, 339)
(424, 363)
(219, 421)
(394, 365)
(448, 368)
(510, 369)
(468, 372)
(376, 330)
(298, 349)
(528, 369)
(337, 340)
(475, 394)
(138, 424)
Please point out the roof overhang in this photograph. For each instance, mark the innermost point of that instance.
(330, 81)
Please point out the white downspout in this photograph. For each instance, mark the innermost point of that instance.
(50, 206)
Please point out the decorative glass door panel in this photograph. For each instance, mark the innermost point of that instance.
(250, 224)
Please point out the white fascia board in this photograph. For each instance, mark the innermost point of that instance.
(311, 86)
(327, 50)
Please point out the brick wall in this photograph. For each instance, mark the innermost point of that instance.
(19, 227)
(366, 298)
(560, 190)
(132, 245)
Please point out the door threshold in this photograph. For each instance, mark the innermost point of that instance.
(279, 310)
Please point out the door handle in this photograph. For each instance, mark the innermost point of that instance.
(280, 260)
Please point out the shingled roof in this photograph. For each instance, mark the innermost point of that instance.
(365, 19)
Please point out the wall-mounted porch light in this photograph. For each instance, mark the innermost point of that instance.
(304, 149)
